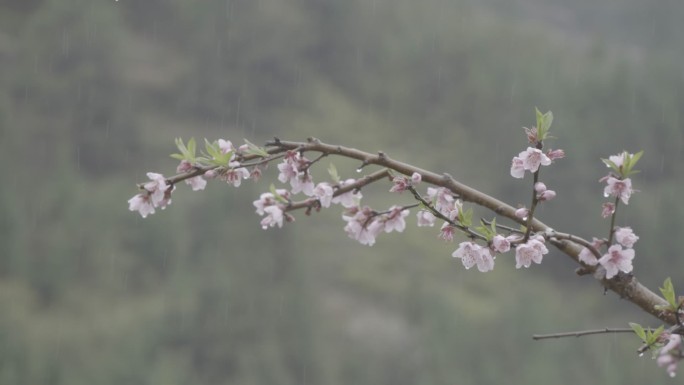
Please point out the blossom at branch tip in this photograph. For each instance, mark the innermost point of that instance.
(350, 198)
(184, 166)
(274, 216)
(472, 254)
(625, 236)
(425, 218)
(587, 257)
(532, 251)
(670, 354)
(619, 159)
(324, 193)
(157, 193)
(394, 220)
(607, 209)
(617, 259)
(620, 188)
(530, 159)
(156, 187)
(416, 178)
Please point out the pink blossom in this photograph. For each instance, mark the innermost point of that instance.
(539, 187)
(303, 183)
(167, 198)
(555, 154)
(472, 254)
(225, 146)
(416, 178)
(616, 260)
(268, 199)
(235, 176)
(142, 204)
(324, 193)
(532, 251)
(670, 354)
(517, 168)
(531, 134)
(425, 218)
(442, 199)
(156, 187)
(619, 188)
(618, 159)
(197, 183)
(361, 226)
(350, 198)
(608, 209)
(400, 184)
(395, 219)
(625, 236)
(255, 174)
(587, 256)
(288, 171)
(533, 158)
(274, 216)
(500, 243)
(447, 232)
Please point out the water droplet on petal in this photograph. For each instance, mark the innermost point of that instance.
(606, 195)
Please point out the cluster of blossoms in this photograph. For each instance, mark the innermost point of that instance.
(619, 256)
(156, 194)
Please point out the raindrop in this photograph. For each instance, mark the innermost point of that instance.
(359, 169)
(606, 195)
(672, 374)
(641, 354)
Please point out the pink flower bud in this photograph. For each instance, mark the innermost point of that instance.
(522, 213)
(416, 178)
(546, 195)
(555, 154)
(539, 187)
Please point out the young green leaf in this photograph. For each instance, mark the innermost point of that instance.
(668, 292)
(638, 330)
(332, 170)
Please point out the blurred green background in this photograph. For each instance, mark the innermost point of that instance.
(92, 94)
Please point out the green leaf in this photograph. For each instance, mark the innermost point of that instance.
(668, 292)
(332, 170)
(255, 150)
(177, 156)
(543, 124)
(656, 333)
(638, 330)
(192, 147)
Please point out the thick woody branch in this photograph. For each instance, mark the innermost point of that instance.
(625, 285)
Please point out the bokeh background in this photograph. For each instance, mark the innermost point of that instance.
(93, 93)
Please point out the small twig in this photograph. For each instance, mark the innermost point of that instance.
(435, 212)
(504, 227)
(581, 333)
